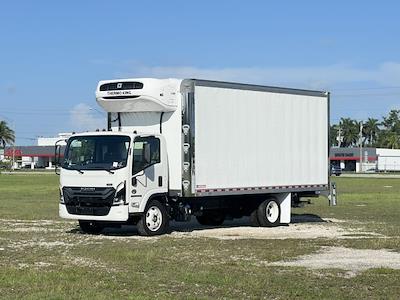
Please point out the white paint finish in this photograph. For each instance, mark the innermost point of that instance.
(93, 178)
(157, 95)
(285, 200)
(147, 183)
(251, 138)
(388, 159)
(149, 123)
(117, 213)
(96, 178)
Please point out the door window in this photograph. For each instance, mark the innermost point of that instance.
(146, 152)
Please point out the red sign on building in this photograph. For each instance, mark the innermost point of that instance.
(12, 152)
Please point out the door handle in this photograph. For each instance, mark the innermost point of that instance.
(159, 180)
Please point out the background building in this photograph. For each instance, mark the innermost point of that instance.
(372, 159)
(40, 156)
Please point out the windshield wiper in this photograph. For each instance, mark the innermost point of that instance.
(80, 171)
(105, 169)
(109, 171)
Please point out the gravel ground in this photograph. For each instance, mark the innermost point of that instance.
(352, 260)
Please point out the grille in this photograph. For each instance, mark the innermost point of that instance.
(96, 201)
(128, 85)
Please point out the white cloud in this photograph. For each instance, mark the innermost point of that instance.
(320, 77)
(85, 118)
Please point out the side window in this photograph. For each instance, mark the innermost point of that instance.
(146, 152)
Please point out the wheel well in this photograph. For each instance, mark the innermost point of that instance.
(162, 198)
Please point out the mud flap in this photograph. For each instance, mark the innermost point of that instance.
(285, 200)
(330, 194)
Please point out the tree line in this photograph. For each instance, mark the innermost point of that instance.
(349, 132)
(384, 133)
(7, 135)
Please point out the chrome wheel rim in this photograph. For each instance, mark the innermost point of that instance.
(272, 211)
(153, 218)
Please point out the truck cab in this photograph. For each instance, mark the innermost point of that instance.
(108, 177)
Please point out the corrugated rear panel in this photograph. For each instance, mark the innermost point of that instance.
(252, 139)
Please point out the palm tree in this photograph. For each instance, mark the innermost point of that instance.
(392, 140)
(392, 121)
(7, 135)
(333, 132)
(371, 127)
(390, 133)
(350, 131)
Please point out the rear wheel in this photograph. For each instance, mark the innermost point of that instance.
(91, 227)
(213, 218)
(154, 221)
(269, 213)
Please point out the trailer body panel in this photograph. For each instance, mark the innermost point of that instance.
(256, 141)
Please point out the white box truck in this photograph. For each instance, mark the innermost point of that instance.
(388, 160)
(181, 148)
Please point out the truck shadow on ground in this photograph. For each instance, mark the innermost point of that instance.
(193, 225)
(306, 218)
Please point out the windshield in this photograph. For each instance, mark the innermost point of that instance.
(96, 152)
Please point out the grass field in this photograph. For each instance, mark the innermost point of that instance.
(42, 256)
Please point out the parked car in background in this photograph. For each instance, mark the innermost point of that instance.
(336, 170)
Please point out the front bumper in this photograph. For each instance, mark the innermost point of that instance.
(116, 213)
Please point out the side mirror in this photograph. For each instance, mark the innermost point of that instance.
(57, 156)
(134, 180)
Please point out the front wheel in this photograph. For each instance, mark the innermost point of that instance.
(154, 221)
(269, 213)
(91, 227)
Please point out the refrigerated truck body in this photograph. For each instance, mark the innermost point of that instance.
(181, 148)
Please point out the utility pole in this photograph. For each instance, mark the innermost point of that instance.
(339, 137)
(13, 157)
(360, 141)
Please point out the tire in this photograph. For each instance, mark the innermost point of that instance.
(154, 221)
(269, 213)
(213, 218)
(91, 227)
(254, 219)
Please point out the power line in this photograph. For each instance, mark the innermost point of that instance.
(47, 113)
(367, 89)
(364, 95)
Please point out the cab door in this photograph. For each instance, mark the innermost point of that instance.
(149, 170)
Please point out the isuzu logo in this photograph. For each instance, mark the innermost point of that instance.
(119, 85)
(88, 189)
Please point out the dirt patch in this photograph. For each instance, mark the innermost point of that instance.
(36, 265)
(292, 231)
(19, 222)
(22, 244)
(303, 227)
(30, 229)
(352, 260)
(88, 263)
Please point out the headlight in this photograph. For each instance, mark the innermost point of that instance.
(120, 196)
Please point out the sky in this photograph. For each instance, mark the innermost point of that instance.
(53, 53)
